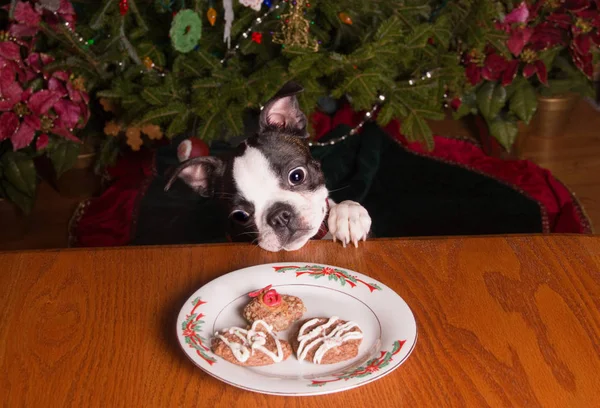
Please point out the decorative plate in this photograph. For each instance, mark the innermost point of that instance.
(388, 325)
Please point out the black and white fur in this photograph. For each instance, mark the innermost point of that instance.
(272, 188)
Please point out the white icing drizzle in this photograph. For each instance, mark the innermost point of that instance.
(254, 339)
(335, 338)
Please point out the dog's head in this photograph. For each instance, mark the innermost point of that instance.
(272, 188)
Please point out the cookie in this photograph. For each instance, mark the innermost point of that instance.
(256, 346)
(280, 311)
(326, 340)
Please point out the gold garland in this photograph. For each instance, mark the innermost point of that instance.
(295, 29)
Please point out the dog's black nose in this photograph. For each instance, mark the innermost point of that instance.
(279, 216)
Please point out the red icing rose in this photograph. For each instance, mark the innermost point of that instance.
(271, 298)
(268, 296)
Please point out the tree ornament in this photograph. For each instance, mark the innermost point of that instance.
(257, 37)
(186, 31)
(134, 138)
(211, 15)
(148, 62)
(253, 4)
(345, 18)
(228, 7)
(192, 147)
(295, 29)
(152, 131)
(112, 129)
(123, 6)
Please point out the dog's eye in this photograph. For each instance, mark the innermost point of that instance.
(241, 217)
(297, 176)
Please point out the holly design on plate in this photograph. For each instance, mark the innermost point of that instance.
(333, 274)
(191, 328)
(366, 370)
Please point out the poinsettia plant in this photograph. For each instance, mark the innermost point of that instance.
(550, 48)
(40, 111)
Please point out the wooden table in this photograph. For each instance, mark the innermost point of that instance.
(502, 322)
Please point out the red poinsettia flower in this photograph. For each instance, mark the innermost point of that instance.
(547, 35)
(59, 107)
(27, 16)
(515, 24)
(585, 30)
(533, 65)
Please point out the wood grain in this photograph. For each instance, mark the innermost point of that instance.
(502, 322)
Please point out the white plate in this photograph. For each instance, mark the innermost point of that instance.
(388, 325)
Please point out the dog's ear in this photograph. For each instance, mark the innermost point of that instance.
(283, 111)
(200, 173)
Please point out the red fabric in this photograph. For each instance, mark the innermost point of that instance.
(107, 220)
(560, 210)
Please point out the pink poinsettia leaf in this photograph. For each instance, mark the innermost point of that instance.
(57, 86)
(26, 94)
(38, 60)
(62, 75)
(9, 122)
(519, 14)
(62, 131)
(529, 70)
(542, 72)
(23, 136)
(42, 142)
(22, 30)
(10, 51)
(68, 112)
(41, 101)
(74, 94)
(25, 14)
(32, 121)
(66, 8)
(582, 43)
(510, 73)
(518, 39)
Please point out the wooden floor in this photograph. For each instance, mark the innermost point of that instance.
(574, 158)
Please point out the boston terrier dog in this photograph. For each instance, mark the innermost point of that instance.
(271, 187)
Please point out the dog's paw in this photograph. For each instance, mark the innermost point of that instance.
(349, 222)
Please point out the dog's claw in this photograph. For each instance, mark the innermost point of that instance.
(355, 243)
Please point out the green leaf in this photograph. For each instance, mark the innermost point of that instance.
(19, 171)
(491, 98)
(163, 115)
(179, 124)
(504, 130)
(63, 155)
(415, 127)
(19, 179)
(153, 97)
(418, 38)
(23, 201)
(523, 102)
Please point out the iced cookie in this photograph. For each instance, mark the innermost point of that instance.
(327, 341)
(256, 346)
(280, 311)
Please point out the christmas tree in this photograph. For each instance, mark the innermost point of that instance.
(155, 69)
(168, 67)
